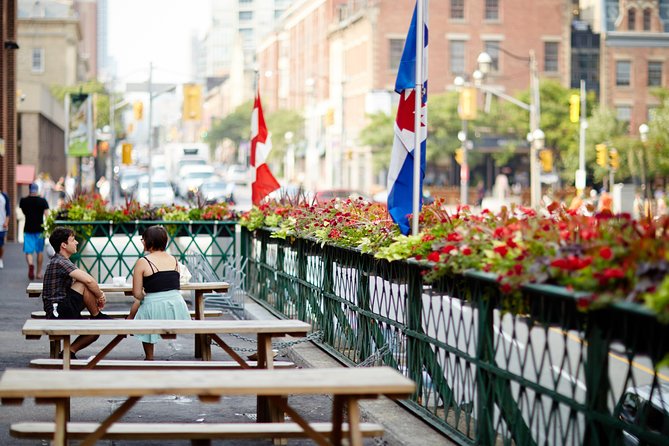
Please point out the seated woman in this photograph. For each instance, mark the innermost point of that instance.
(155, 286)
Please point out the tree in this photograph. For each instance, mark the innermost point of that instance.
(93, 87)
(235, 127)
(279, 123)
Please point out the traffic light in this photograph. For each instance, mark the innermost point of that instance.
(126, 153)
(602, 155)
(467, 106)
(574, 108)
(614, 159)
(138, 110)
(192, 106)
(546, 159)
(459, 154)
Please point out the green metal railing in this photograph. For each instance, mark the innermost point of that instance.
(545, 373)
(108, 249)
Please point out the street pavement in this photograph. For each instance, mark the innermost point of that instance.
(402, 428)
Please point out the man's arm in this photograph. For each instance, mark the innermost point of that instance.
(89, 282)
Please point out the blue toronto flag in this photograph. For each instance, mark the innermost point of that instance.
(401, 171)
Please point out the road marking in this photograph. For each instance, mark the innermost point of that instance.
(509, 338)
(634, 364)
(558, 371)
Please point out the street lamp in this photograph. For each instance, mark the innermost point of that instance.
(643, 133)
(485, 64)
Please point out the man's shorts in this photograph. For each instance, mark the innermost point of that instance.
(68, 308)
(2, 238)
(33, 243)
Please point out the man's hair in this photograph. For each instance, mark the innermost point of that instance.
(59, 236)
(155, 237)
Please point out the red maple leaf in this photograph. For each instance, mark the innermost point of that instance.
(406, 112)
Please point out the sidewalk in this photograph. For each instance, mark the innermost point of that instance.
(402, 428)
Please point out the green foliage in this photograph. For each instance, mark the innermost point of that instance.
(235, 127)
(379, 134)
(278, 124)
(91, 87)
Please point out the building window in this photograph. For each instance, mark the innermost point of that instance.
(623, 113)
(551, 57)
(631, 19)
(457, 59)
(38, 60)
(492, 48)
(623, 70)
(491, 9)
(245, 15)
(654, 74)
(396, 48)
(646, 19)
(457, 9)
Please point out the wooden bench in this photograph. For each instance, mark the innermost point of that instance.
(34, 289)
(265, 330)
(122, 314)
(198, 433)
(346, 385)
(130, 364)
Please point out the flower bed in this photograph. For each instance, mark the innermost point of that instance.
(606, 258)
(94, 208)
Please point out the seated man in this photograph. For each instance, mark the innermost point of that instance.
(67, 290)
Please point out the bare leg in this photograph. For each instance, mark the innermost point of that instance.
(82, 342)
(148, 351)
(90, 300)
(29, 259)
(40, 259)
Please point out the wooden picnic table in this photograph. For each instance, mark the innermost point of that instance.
(346, 385)
(63, 330)
(34, 289)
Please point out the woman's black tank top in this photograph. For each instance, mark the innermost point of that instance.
(161, 280)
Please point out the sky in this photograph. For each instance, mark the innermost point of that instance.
(158, 31)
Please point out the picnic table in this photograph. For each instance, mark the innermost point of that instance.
(34, 289)
(63, 330)
(346, 385)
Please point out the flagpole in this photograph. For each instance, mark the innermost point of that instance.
(418, 95)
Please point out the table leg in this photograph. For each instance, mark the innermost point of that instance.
(337, 419)
(61, 418)
(354, 434)
(66, 353)
(199, 315)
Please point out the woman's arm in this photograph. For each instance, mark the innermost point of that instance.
(138, 279)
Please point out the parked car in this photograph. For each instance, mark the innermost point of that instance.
(342, 194)
(161, 192)
(189, 182)
(648, 412)
(128, 178)
(216, 191)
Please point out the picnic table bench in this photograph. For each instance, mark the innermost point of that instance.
(34, 289)
(346, 385)
(265, 330)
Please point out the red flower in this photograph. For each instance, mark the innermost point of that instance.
(466, 251)
(606, 253)
(427, 237)
(454, 237)
(501, 250)
(433, 256)
(448, 248)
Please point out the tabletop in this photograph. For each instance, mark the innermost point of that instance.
(34, 289)
(24, 383)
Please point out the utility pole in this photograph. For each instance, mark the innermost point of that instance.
(150, 126)
(583, 125)
(535, 107)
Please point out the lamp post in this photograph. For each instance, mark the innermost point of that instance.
(466, 111)
(485, 63)
(643, 133)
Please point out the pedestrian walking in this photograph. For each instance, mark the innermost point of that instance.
(155, 286)
(5, 213)
(67, 290)
(35, 209)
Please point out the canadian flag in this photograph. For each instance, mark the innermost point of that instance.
(263, 182)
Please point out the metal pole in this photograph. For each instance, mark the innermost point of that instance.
(583, 126)
(112, 144)
(535, 185)
(418, 96)
(150, 138)
(464, 169)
